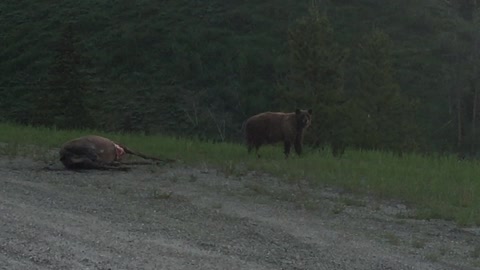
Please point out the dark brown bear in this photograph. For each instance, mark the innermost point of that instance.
(273, 127)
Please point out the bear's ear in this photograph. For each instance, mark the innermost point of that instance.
(297, 111)
(310, 111)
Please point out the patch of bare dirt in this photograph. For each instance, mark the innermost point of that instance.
(179, 217)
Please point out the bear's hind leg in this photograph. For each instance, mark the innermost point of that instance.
(298, 148)
(286, 150)
(257, 146)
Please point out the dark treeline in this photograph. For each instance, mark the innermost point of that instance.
(389, 75)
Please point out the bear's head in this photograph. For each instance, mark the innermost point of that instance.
(303, 118)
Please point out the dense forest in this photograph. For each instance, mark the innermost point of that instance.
(388, 75)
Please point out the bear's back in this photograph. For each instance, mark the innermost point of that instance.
(267, 126)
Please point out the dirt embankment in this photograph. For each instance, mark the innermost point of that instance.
(186, 218)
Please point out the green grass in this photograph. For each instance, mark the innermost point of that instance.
(439, 186)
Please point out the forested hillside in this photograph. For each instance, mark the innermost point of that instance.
(399, 76)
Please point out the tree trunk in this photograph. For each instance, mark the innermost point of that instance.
(474, 120)
(459, 122)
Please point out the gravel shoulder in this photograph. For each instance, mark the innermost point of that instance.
(181, 217)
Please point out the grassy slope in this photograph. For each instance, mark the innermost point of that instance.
(441, 187)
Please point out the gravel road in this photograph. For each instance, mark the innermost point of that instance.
(181, 217)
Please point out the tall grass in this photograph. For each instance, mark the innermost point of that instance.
(439, 186)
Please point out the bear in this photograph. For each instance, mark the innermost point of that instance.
(273, 127)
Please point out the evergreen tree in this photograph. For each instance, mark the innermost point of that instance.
(385, 119)
(316, 77)
(62, 102)
(459, 45)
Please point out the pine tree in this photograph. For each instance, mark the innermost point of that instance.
(62, 102)
(386, 115)
(316, 77)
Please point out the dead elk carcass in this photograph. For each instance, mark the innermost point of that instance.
(96, 152)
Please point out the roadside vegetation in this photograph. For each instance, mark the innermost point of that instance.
(437, 186)
(393, 76)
